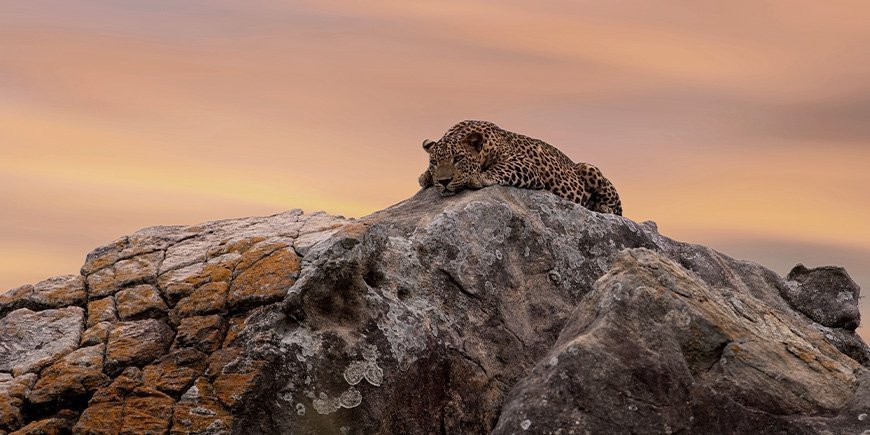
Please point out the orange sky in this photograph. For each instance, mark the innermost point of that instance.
(742, 125)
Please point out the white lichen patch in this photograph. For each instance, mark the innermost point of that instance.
(308, 343)
(355, 371)
(526, 424)
(374, 375)
(367, 369)
(350, 398)
(326, 405)
(405, 329)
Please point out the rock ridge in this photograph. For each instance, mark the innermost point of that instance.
(501, 310)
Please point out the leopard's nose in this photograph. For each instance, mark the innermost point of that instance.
(444, 181)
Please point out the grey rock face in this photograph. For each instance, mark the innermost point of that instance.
(825, 294)
(426, 316)
(499, 308)
(654, 349)
(31, 340)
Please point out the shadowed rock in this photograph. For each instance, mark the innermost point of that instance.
(654, 349)
(499, 308)
(825, 294)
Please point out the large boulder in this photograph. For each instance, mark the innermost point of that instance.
(825, 294)
(654, 349)
(449, 315)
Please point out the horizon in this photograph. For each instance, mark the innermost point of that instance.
(740, 126)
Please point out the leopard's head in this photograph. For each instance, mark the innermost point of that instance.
(462, 153)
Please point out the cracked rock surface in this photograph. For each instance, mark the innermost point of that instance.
(499, 309)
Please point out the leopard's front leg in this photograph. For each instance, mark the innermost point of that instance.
(425, 179)
(505, 174)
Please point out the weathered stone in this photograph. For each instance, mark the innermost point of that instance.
(317, 228)
(209, 299)
(234, 326)
(16, 298)
(199, 411)
(102, 283)
(175, 372)
(73, 376)
(104, 256)
(178, 283)
(654, 349)
(848, 342)
(427, 316)
(12, 394)
(139, 269)
(136, 343)
(130, 271)
(101, 310)
(100, 418)
(186, 253)
(57, 292)
(307, 241)
(234, 376)
(825, 294)
(32, 340)
(205, 333)
(61, 423)
(105, 410)
(124, 384)
(265, 280)
(147, 411)
(97, 334)
(141, 301)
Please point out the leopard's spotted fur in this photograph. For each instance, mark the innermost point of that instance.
(476, 154)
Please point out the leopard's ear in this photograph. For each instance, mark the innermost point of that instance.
(427, 143)
(474, 141)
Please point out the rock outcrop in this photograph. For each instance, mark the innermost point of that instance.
(500, 309)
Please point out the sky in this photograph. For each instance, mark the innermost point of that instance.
(742, 125)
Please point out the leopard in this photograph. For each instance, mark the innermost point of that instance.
(476, 154)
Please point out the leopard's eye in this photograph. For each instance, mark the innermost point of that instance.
(433, 162)
(458, 158)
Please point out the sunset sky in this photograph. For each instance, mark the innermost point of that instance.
(743, 125)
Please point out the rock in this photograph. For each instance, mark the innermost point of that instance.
(123, 273)
(205, 333)
(32, 340)
(105, 411)
(102, 310)
(57, 292)
(266, 280)
(236, 376)
(139, 269)
(147, 411)
(825, 294)
(175, 372)
(12, 394)
(199, 411)
(208, 299)
(141, 301)
(448, 315)
(848, 342)
(136, 343)
(97, 334)
(178, 283)
(654, 349)
(61, 423)
(73, 376)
